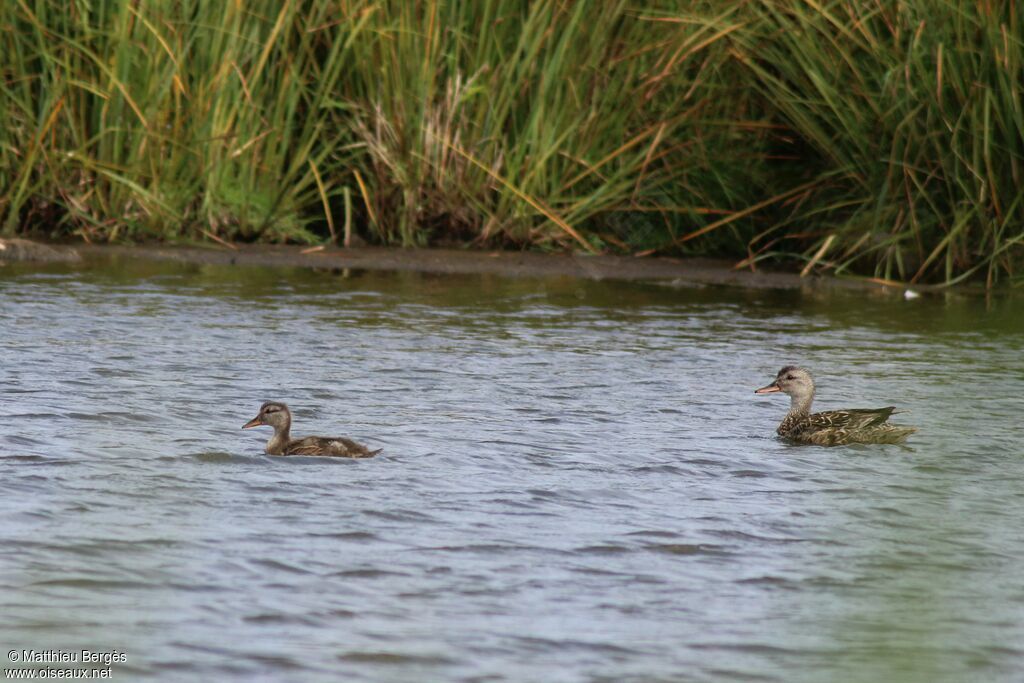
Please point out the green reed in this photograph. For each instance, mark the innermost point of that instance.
(877, 138)
(166, 119)
(544, 123)
(910, 118)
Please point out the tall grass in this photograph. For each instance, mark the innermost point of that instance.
(878, 138)
(163, 119)
(544, 123)
(910, 117)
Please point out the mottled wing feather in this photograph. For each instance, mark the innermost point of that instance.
(354, 449)
(838, 427)
(338, 447)
(855, 418)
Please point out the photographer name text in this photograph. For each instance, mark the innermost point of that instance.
(68, 656)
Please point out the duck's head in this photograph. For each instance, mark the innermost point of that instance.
(272, 414)
(791, 380)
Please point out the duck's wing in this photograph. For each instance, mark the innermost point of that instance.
(347, 448)
(331, 446)
(854, 418)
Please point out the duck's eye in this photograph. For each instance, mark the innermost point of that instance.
(790, 377)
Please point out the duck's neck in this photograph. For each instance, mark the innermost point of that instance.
(280, 439)
(800, 404)
(799, 409)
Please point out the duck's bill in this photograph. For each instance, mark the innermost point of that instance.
(770, 389)
(255, 422)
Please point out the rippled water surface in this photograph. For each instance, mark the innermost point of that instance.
(577, 482)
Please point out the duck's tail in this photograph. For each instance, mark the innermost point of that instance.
(891, 433)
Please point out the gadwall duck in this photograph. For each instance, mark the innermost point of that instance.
(277, 415)
(832, 427)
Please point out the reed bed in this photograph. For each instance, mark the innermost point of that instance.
(910, 117)
(881, 139)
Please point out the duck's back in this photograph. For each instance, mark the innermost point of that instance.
(331, 446)
(856, 425)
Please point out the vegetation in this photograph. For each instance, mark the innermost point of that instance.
(877, 138)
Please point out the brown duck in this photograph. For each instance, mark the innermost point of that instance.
(832, 427)
(277, 415)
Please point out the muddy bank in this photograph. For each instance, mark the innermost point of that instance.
(505, 263)
(14, 249)
(442, 261)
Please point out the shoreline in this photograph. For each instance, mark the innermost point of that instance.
(516, 264)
